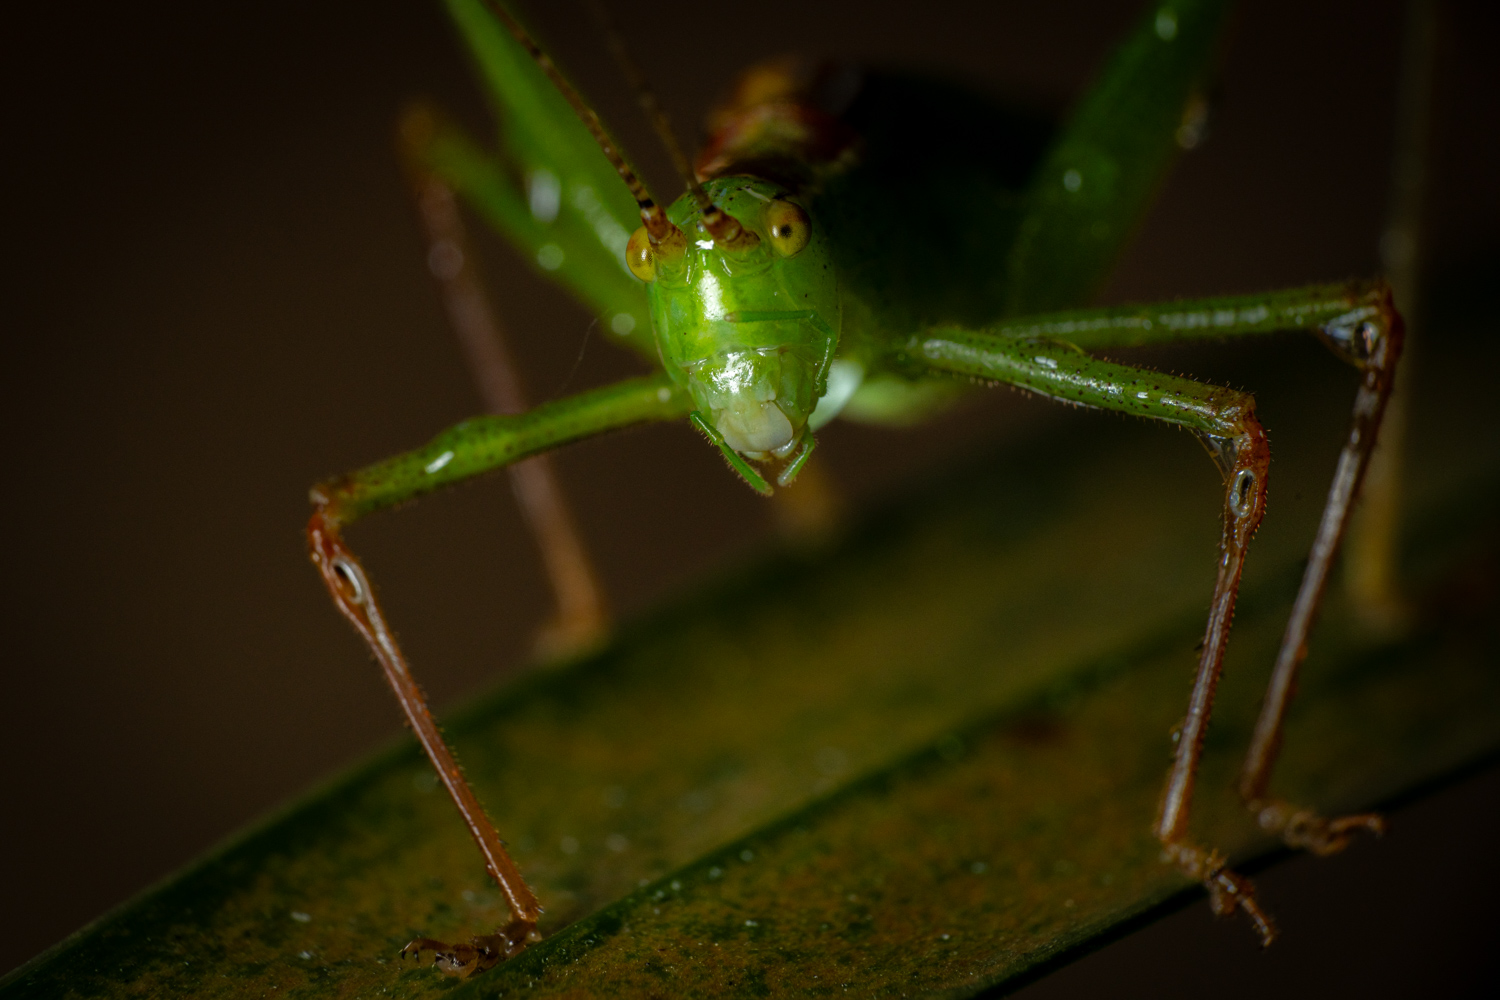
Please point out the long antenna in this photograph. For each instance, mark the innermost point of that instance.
(720, 225)
(658, 226)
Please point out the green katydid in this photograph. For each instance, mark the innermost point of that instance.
(793, 284)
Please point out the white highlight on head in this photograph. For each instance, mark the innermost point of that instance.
(711, 296)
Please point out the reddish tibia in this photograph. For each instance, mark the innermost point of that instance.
(1244, 505)
(1374, 346)
(351, 591)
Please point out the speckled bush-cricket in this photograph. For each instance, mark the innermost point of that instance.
(863, 245)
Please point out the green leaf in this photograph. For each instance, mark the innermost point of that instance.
(923, 761)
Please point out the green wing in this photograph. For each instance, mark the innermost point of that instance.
(1004, 216)
(1096, 183)
(546, 186)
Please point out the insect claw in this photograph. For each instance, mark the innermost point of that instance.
(481, 952)
(1227, 890)
(1306, 830)
(452, 959)
(1265, 925)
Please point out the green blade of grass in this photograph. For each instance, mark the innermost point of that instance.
(922, 762)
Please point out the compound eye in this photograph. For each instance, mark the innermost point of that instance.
(639, 255)
(788, 226)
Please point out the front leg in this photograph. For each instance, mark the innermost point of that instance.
(1225, 420)
(471, 448)
(1359, 322)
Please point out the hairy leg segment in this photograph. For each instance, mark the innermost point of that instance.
(1046, 355)
(473, 447)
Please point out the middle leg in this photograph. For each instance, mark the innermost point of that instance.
(582, 618)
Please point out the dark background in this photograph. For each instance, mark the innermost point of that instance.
(214, 295)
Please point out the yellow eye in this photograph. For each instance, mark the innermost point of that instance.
(639, 255)
(788, 226)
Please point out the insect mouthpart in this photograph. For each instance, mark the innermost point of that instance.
(754, 428)
(758, 399)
